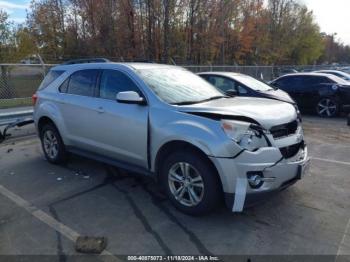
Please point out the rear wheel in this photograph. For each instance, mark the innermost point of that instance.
(52, 144)
(191, 183)
(327, 107)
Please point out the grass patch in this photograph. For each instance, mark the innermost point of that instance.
(15, 102)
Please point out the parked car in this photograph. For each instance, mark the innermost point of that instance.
(325, 94)
(337, 73)
(235, 84)
(345, 69)
(168, 123)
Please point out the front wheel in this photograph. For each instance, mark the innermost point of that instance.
(191, 183)
(327, 107)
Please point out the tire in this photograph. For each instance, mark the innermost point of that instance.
(201, 191)
(52, 144)
(327, 107)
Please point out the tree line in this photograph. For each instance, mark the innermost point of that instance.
(243, 32)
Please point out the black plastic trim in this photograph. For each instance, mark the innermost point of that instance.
(110, 161)
(218, 117)
(149, 143)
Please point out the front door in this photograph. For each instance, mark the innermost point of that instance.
(120, 129)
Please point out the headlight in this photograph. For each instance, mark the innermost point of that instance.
(244, 134)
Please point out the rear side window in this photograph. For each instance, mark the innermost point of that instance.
(51, 76)
(82, 83)
(64, 86)
(289, 83)
(283, 83)
(113, 82)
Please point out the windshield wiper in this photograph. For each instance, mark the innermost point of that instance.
(200, 101)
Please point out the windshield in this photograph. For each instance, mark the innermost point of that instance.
(342, 75)
(179, 86)
(338, 80)
(253, 83)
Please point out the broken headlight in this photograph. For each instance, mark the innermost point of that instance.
(246, 135)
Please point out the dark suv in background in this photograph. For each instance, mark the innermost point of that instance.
(325, 94)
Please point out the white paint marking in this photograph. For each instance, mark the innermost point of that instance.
(343, 250)
(331, 161)
(48, 220)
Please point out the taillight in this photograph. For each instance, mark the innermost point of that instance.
(34, 99)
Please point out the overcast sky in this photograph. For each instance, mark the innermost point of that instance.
(332, 15)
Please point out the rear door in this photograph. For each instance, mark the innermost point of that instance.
(78, 107)
(120, 129)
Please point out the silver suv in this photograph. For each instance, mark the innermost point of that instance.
(166, 122)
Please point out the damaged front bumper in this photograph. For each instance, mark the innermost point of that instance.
(277, 173)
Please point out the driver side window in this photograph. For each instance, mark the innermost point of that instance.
(222, 83)
(241, 89)
(113, 81)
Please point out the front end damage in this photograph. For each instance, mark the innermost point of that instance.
(252, 175)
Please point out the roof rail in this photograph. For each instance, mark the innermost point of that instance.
(86, 60)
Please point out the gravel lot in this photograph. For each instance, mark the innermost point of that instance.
(43, 207)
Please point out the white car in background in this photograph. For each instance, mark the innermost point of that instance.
(337, 73)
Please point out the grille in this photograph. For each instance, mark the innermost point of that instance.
(292, 150)
(284, 130)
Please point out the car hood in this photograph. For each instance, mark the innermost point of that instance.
(278, 95)
(266, 112)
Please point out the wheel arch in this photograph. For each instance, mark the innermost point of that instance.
(180, 145)
(44, 120)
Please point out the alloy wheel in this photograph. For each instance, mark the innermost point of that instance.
(50, 144)
(327, 107)
(186, 184)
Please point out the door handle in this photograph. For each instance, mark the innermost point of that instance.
(100, 110)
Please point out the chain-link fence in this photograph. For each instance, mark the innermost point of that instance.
(266, 73)
(18, 82)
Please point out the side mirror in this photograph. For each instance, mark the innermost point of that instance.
(130, 97)
(232, 92)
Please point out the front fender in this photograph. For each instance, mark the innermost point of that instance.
(204, 133)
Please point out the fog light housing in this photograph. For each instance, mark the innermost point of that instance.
(255, 179)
